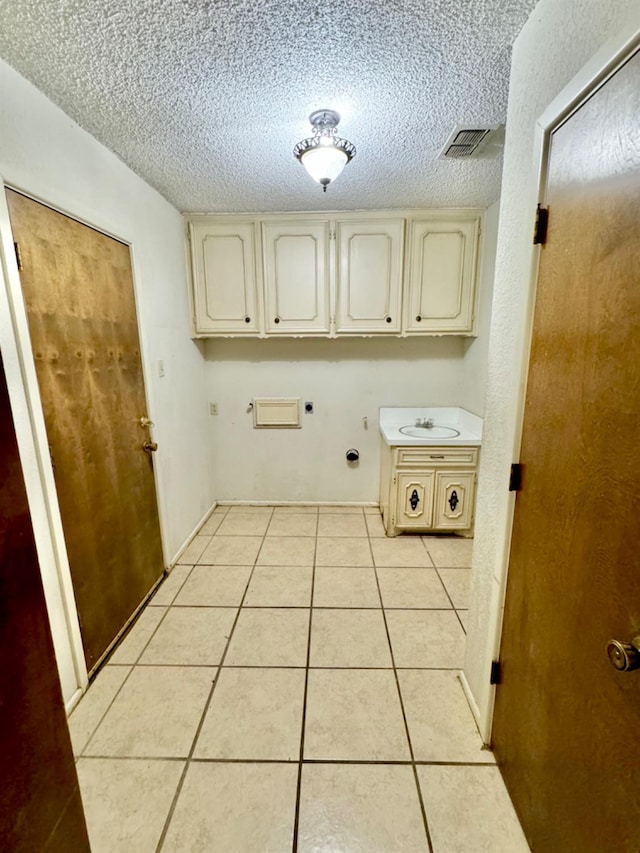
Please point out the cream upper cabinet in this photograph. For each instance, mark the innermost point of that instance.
(226, 291)
(442, 275)
(369, 276)
(296, 276)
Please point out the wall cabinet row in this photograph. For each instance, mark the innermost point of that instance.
(328, 276)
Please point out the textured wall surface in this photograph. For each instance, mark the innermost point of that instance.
(205, 99)
(47, 155)
(557, 41)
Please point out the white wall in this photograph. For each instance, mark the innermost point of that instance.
(45, 154)
(559, 38)
(476, 349)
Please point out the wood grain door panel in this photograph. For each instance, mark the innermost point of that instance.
(567, 725)
(78, 291)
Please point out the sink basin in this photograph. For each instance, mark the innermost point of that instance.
(429, 432)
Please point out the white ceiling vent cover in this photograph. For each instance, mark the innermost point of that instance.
(465, 142)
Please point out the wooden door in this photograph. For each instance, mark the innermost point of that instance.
(369, 270)
(78, 291)
(40, 806)
(567, 724)
(296, 268)
(225, 283)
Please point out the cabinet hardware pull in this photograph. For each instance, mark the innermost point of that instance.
(247, 319)
(419, 318)
(414, 500)
(436, 457)
(388, 319)
(453, 500)
(277, 320)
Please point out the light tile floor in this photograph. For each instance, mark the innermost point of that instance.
(293, 685)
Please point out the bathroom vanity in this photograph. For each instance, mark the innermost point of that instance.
(429, 462)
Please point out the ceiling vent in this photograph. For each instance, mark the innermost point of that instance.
(467, 142)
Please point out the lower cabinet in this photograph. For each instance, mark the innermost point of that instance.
(428, 488)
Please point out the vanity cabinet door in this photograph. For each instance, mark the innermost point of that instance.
(454, 500)
(442, 276)
(225, 281)
(296, 272)
(369, 276)
(414, 499)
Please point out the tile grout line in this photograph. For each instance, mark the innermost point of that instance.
(132, 665)
(402, 708)
(437, 569)
(176, 796)
(296, 819)
(356, 762)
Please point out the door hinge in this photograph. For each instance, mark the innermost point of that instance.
(515, 477)
(542, 223)
(496, 672)
(16, 246)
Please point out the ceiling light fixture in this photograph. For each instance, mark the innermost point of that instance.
(324, 155)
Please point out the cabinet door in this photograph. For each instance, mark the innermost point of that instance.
(414, 499)
(225, 285)
(369, 269)
(442, 277)
(296, 269)
(454, 496)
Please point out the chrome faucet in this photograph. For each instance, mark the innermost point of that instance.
(423, 422)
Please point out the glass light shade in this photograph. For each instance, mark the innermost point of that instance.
(324, 163)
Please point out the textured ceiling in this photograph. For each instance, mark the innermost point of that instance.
(205, 99)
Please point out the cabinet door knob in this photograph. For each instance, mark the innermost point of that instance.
(419, 318)
(388, 319)
(247, 319)
(277, 320)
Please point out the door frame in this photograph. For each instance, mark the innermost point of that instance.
(594, 74)
(26, 404)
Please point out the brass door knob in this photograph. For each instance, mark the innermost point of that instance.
(624, 656)
(149, 446)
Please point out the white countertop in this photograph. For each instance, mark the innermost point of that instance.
(468, 425)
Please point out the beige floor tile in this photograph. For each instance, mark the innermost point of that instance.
(220, 510)
(280, 586)
(212, 524)
(293, 524)
(126, 802)
(156, 713)
(242, 509)
(450, 551)
(234, 808)
(244, 524)
(334, 509)
(412, 588)
(171, 585)
(354, 714)
(340, 586)
(469, 810)
(93, 705)
(343, 551)
(360, 808)
(194, 550)
(375, 527)
(254, 714)
(191, 636)
(287, 551)
(133, 644)
(214, 586)
(371, 510)
(270, 637)
(441, 725)
(295, 509)
(355, 638)
(462, 616)
(426, 638)
(231, 551)
(344, 524)
(401, 551)
(457, 582)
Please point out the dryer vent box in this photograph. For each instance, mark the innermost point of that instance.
(276, 412)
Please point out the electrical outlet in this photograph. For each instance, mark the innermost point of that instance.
(213, 408)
